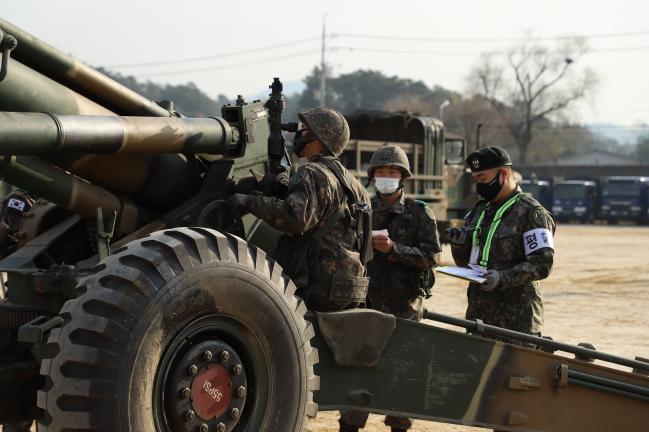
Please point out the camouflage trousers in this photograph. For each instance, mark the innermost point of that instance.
(358, 419)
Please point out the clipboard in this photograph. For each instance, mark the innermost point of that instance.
(471, 274)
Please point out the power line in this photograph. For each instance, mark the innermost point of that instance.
(603, 127)
(230, 66)
(401, 51)
(214, 56)
(583, 128)
(383, 50)
(487, 39)
(461, 53)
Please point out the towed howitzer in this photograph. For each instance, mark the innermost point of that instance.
(186, 322)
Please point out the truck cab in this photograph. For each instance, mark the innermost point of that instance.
(461, 194)
(626, 198)
(575, 200)
(540, 190)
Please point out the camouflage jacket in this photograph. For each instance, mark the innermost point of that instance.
(328, 272)
(399, 279)
(517, 252)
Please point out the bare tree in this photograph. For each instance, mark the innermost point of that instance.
(533, 85)
(465, 115)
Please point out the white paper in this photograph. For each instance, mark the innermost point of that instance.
(473, 274)
(383, 232)
(478, 269)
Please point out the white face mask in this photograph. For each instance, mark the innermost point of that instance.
(386, 185)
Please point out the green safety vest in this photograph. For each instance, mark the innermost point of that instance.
(484, 254)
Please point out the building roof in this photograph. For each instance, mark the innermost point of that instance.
(597, 157)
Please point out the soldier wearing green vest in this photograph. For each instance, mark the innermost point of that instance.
(510, 235)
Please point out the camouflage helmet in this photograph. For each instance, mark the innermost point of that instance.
(329, 127)
(390, 156)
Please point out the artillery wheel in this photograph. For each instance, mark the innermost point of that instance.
(182, 330)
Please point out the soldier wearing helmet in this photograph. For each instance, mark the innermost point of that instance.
(406, 247)
(325, 218)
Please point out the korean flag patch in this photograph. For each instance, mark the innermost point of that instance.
(16, 204)
(536, 239)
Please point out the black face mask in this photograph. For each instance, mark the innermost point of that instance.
(490, 190)
(302, 138)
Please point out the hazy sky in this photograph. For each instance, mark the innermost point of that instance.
(120, 32)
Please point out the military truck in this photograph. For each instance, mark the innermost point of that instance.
(137, 301)
(436, 157)
(541, 190)
(625, 198)
(576, 200)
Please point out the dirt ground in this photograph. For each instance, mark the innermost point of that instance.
(598, 292)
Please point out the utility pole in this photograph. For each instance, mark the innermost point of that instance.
(441, 108)
(323, 65)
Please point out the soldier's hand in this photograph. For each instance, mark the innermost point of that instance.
(493, 280)
(237, 203)
(275, 184)
(382, 243)
(456, 235)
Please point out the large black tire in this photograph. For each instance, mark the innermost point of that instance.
(152, 302)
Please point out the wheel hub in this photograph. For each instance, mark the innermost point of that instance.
(208, 388)
(211, 391)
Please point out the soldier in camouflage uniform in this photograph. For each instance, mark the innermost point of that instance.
(510, 235)
(324, 216)
(401, 270)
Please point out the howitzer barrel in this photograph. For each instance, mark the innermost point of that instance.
(26, 90)
(67, 70)
(44, 134)
(67, 190)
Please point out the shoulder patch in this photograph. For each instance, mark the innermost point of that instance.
(421, 203)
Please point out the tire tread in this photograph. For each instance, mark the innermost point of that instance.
(79, 381)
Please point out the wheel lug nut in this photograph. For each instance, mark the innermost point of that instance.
(204, 428)
(225, 356)
(207, 355)
(220, 427)
(234, 413)
(193, 370)
(185, 393)
(241, 391)
(237, 369)
(189, 415)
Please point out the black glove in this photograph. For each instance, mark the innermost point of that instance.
(456, 235)
(238, 204)
(274, 184)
